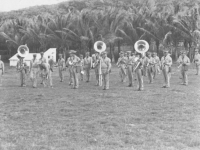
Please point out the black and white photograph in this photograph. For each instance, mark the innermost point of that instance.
(99, 74)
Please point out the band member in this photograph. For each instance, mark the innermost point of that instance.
(135, 58)
(22, 68)
(97, 68)
(180, 55)
(75, 61)
(82, 64)
(125, 54)
(42, 61)
(139, 71)
(197, 61)
(145, 62)
(166, 62)
(61, 67)
(156, 67)
(46, 74)
(34, 69)
(184, 63)
(121, 63)
(87, 65)
(51, 63)
(149, 65)
(70, 66)
(1, 70)
(129, 66)
(105, 68)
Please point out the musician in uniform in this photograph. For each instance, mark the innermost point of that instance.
(34, 69)
(51, 62)
(121, 63)
(105, 68)
(184, 63)
(166, 62)
(70, 66)
(75, 61)
(87, 65)
(129, 67)
(156, 66)
(42, 61)
(139, 71)
(22, 68)
(197, 61)
(46, 74)
(61, 67)
(1, 70)
(82, 65)
(145, 62)
(149, 65)
(97, 68)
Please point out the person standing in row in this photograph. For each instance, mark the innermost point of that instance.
(1, 70)
(156, 66)
(42, 61)
(121, 63)
(75, 62)
(61, 67)
(197, 61)
(70, 66)
(105, 68)
(139, 71)
(87, 65)
(46, 75)
(149, 65)
(166, 62)
(81, 67)
(22, 68)
(144, 70)
(97, 68)
(34, 69)
(184, 63)
(129, 67)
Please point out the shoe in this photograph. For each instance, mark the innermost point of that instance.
(164, 86)
(130, 85)
(182, 83)
(167, 87)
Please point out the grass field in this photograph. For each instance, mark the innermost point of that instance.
(90, 118)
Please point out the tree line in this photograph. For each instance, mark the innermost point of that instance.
(79, 24)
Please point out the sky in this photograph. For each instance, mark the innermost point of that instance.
(8, 5)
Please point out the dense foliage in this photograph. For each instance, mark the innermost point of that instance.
(78, 24)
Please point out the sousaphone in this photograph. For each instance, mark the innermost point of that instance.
(141, 46)
(23, 50)
(100, 46)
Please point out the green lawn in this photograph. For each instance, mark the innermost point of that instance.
(90, 118)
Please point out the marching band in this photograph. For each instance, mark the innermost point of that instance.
(136, 66)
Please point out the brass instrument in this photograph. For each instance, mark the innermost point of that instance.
(23, 51)
(141, 46)
(100, 46)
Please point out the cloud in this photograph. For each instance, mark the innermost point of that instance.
(8, 5)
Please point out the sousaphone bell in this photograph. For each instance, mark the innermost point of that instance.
(23, 51)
